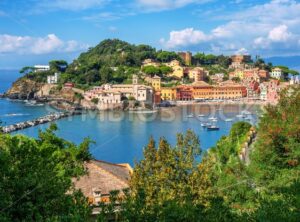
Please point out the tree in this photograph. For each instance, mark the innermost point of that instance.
(165, 70)
(165, 56)
(236, 79)
(27, 69)
(58, 65)
(105, 74)
(95, 100)
(151, 70)
(35, 178)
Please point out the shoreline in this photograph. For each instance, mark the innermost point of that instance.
(244, 102)
(72, 107)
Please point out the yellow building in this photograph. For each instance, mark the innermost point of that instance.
(156, 83)
(178, 70)
(150, 62)
(168, 93)
(237, 74)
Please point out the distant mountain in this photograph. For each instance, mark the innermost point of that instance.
(292, 62)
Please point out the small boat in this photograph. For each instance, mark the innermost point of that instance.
(213, 118)
(190, 116)
(228, 120)
(246, 112)
(240, 116)
(205, 124)
(201, 115)
(213, 128)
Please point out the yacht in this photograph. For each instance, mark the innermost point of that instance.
(246, 112)
(205, 124)
(213, 128)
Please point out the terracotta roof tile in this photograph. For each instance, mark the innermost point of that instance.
(103, 176)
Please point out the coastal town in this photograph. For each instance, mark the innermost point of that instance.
(243, 83)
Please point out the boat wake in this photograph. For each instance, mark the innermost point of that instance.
(15, 114)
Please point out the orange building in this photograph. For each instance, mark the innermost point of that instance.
(202, 90)
(225, 90)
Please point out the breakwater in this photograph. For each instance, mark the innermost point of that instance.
(42, 120)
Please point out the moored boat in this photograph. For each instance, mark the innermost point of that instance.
(213, 128)
(190, 116)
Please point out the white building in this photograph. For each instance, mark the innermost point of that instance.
(41, 68)
(294, 80)
(263, 91)
(277, 73)
(112, 94)
(53, 79)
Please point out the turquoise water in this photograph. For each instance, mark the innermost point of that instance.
(120, 137)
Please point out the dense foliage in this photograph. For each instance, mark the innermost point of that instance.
(35, 178)
(115, 61)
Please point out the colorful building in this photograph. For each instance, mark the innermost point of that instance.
(202, 90)
(184, 93)
(277, 73)
(236, 74)
(112, 95)
(240, 61)
(168, 93)
(178, 70)
(156, 82)
(197, 73)
(150, 62)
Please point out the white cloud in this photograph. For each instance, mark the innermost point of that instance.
(268, 29)
(37, 45)
(279, 34)
(242, 51)
(185, 37)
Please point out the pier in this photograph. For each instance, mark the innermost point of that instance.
(42, 120)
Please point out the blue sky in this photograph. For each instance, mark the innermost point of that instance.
(35, 31)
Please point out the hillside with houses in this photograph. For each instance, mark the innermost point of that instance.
(119, 75)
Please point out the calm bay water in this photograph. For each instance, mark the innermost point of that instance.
(120, 137)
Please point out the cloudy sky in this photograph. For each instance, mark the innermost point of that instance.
(35, 31)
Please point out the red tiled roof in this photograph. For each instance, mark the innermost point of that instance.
(103, 176)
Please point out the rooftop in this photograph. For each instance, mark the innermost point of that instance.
(103, 176)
